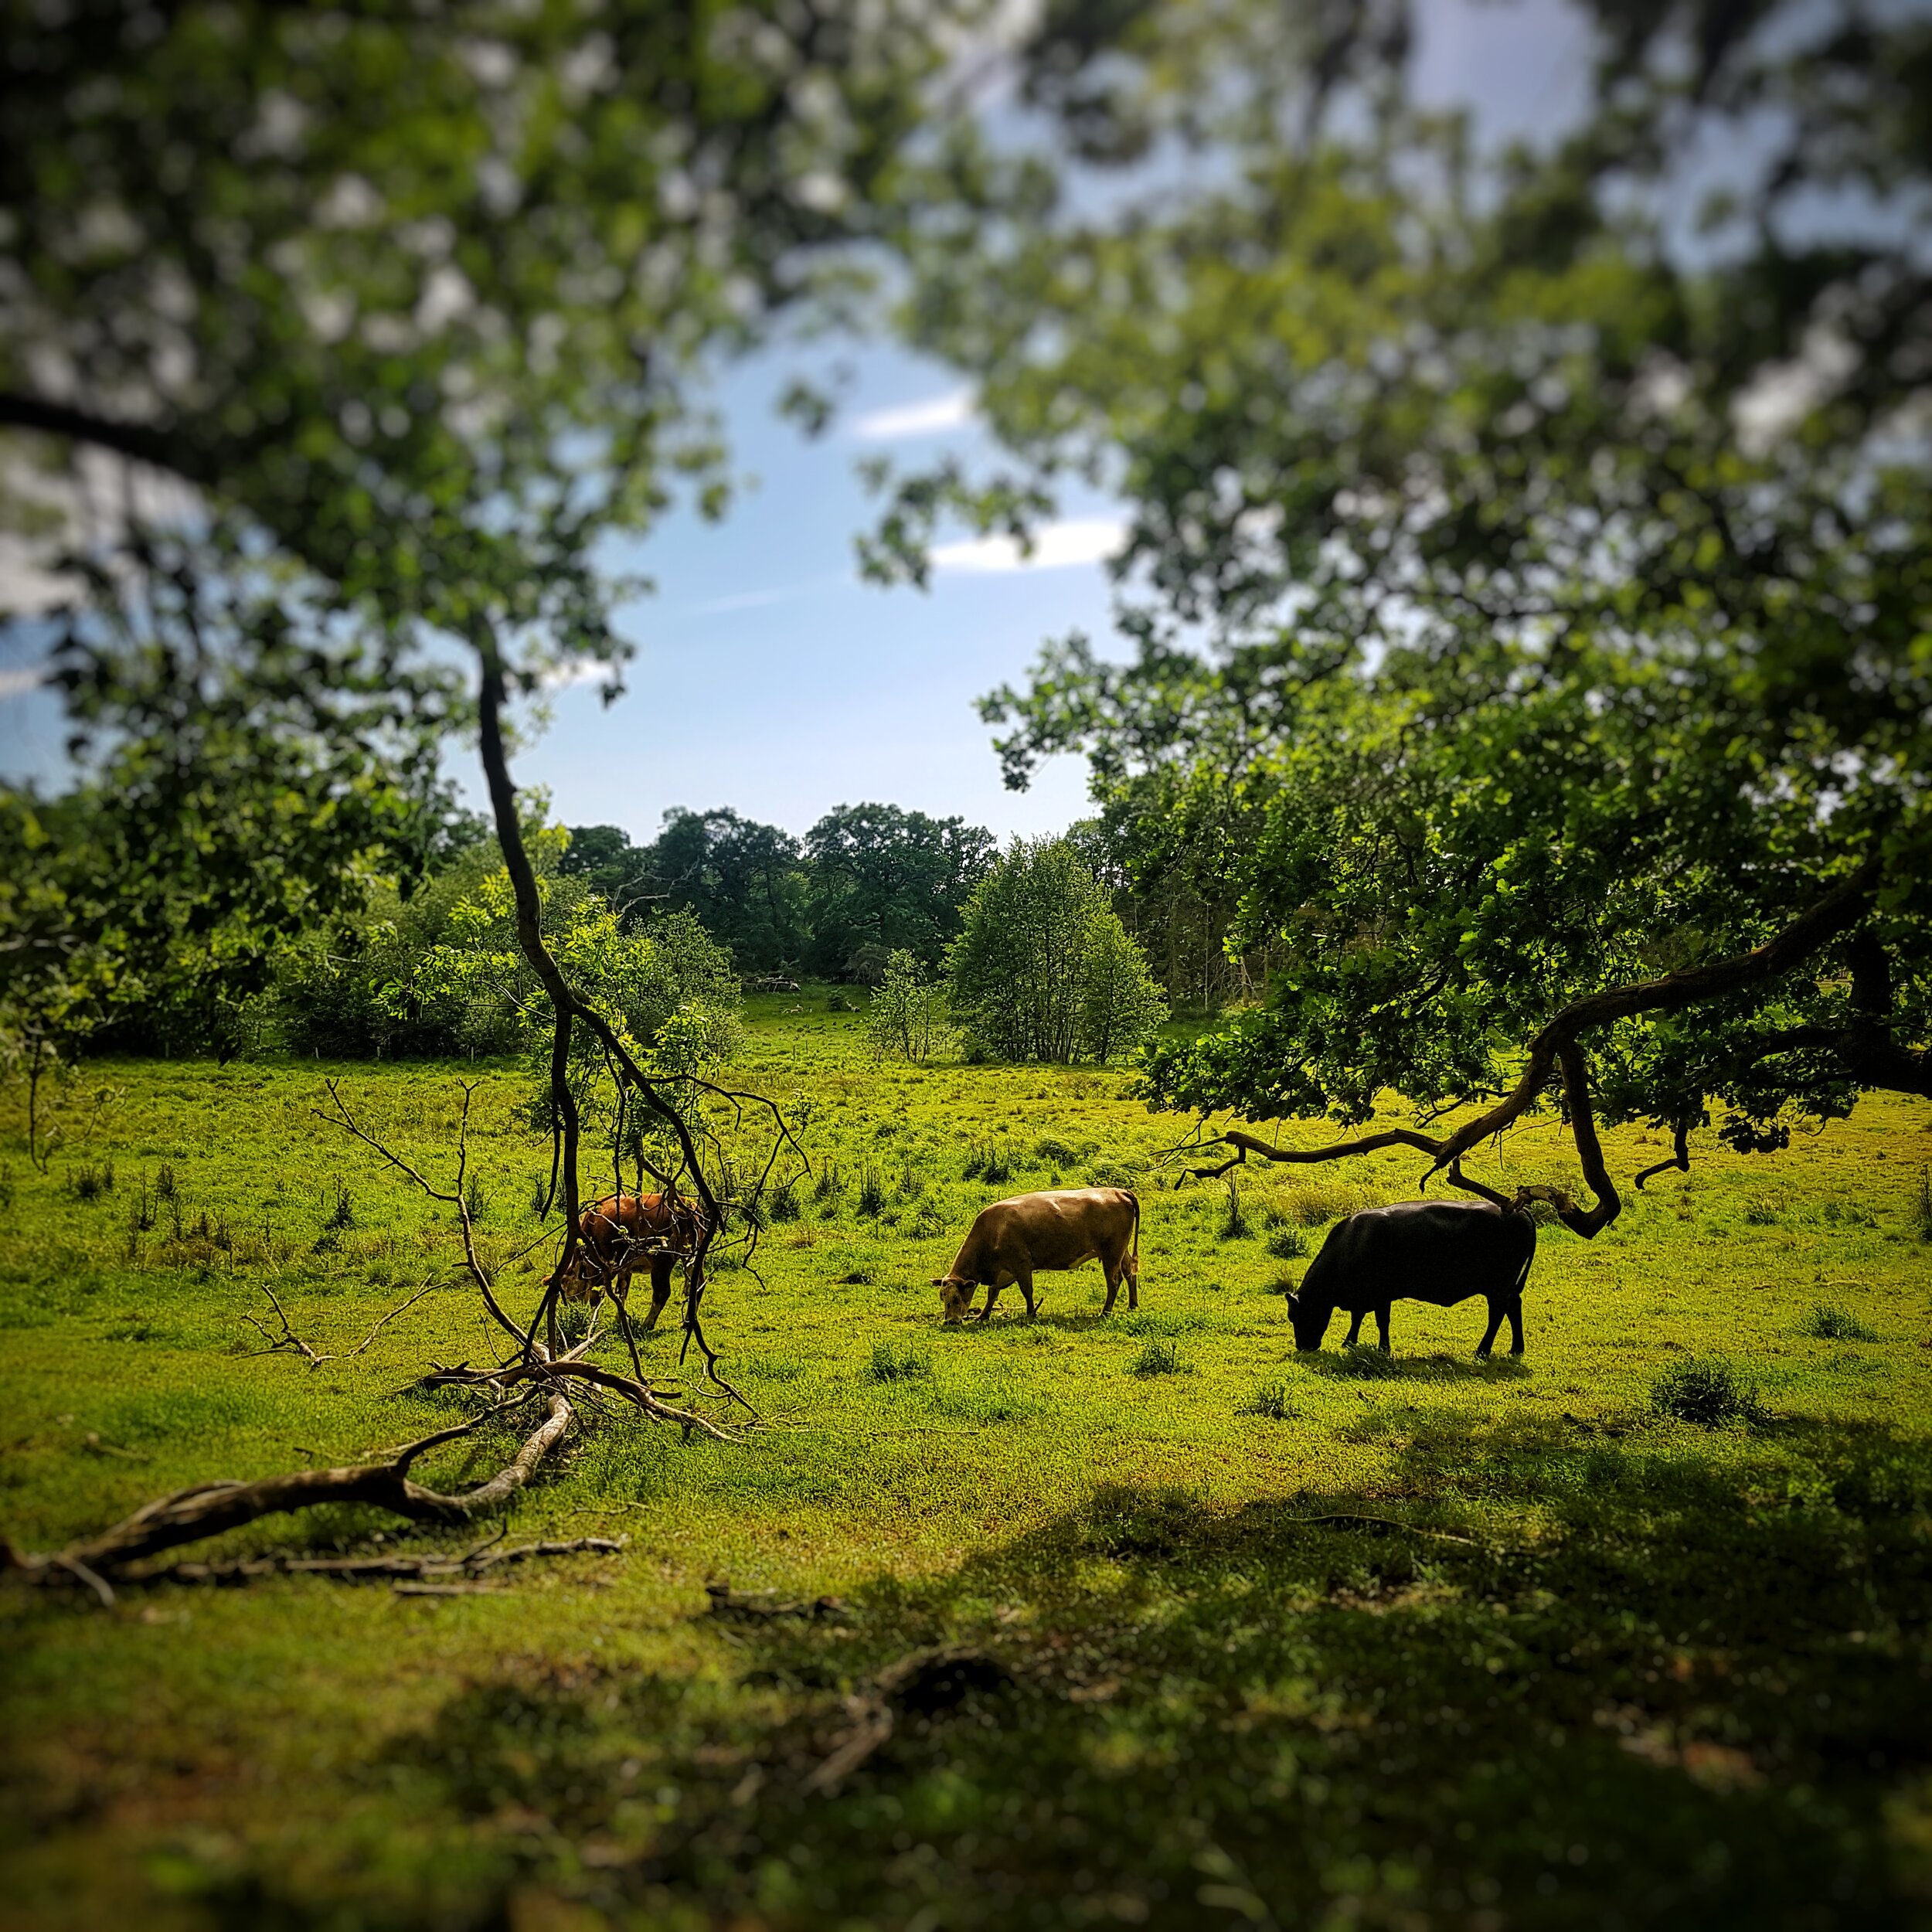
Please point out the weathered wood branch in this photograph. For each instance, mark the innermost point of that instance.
(209, 1509)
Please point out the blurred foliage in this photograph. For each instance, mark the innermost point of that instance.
(1527, 578)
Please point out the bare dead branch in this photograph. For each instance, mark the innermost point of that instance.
(427, 1568)
(207, 1509)
(290, 1340)
(346, 1121)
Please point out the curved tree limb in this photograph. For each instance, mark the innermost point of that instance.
(1680, 1159)
(1555, 1052)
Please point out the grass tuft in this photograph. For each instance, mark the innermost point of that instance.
(904, 1363)
(1289, 1244)
(1367, 1363)
(1707, 1390)
(783, 1205)
(1158, 1359)
(1829, 1324)
(872, 1193)
(1922, 1208)
(1270, 1401)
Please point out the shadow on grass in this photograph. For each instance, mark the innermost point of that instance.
(1541, 1677)
(1364, 1363)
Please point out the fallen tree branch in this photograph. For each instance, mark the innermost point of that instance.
(474, 1563)
(291, 1340)
(209, 1509)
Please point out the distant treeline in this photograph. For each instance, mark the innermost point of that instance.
(866, 881)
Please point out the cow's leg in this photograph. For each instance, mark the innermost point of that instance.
(992, 1295)
(1515, 1326)
(660, 1267)
(1355, 1328)
(1112, 1275)
(1024, 1281)
(1381, 1325)
(1489, 1341)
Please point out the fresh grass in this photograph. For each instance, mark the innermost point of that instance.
(1384, 1642)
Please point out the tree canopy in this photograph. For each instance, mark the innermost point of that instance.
(1528, 591)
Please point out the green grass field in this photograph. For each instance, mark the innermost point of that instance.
(1260, 1640)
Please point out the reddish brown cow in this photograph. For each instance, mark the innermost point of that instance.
(1011, 1240)
(619, 1234)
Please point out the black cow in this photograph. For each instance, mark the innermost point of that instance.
(1439, 1251)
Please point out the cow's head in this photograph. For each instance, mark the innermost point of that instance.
(1310, 1316)
(955, 1297)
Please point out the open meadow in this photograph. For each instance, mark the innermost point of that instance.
(1244, 1638)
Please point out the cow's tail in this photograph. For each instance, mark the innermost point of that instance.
(1529, 1262)
(1133, 1260)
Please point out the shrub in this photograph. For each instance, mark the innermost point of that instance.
(1922, 1208)
(1158, 1359)
(1289, 1244)
(905, 1364)
(839, 1003)
(872, 1193)
(1269, 1400)
(474, 1200)
(1830, 1324)
(829, 1184)
(990, 1163)
(1705, 1390)
(783, 1203)
(165, 1186)
(343, 1214)
(908, 1013)
(1057, 1151)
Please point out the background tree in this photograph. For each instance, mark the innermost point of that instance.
(742, 879)
(888, 880)
(1042, 969)
(907, 1013)
(1562, 729)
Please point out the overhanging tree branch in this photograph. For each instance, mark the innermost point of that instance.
(1555, 1052)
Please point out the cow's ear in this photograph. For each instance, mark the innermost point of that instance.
(938, 1282)
(1294, 1300)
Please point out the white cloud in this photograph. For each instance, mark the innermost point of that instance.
(17, 682)
(936, 412)
(1088, 539)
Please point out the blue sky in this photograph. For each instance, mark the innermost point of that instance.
(768, 678)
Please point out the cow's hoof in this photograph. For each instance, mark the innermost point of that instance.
(1482, 1355)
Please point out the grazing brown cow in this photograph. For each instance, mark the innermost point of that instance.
(1011, 1240)
(618, 1234)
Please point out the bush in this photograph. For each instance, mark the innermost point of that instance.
(1158, 1359)
(905, 1364)
(783, 1205)
(1830, 1324)
(1057, 1151)
(1706, 1391)
(1922, 1208)
(829, 1184)
(1270, 1401)
(1289, 1244)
